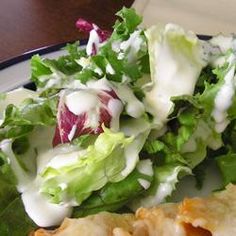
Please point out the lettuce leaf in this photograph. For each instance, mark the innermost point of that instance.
(165, 179)
(13, 218)
(21, 120)
(127, 25)
(113, 196)
(56, 70)
(121, 57)
(170, 48)
(110, 159)
(14, 221)
(227, 165)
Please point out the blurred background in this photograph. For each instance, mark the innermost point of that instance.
(29, 24)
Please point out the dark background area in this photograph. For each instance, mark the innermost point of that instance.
(29, 24)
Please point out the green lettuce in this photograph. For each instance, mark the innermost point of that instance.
(13, 218)
(227, 165)
(165, 179)
(176, 61)
(127, 25)
(110, 159)
(57, 71)
(127, 60)
(113, 196)
(20, 120)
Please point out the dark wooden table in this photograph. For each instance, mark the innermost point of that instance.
(31, 24)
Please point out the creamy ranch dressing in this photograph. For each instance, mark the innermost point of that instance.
(130, 47)
(109, 69)
(133, 44)
(132, 152)
(115, 108)
(83, 61)
(93, 42)
(145, 167)
(102, 84)
(16, 97)
(55, 80)
(134, 107)
(47, 157)
(164, 189)
(224, 42)
(224, 97)
(92, 117)
(80, 101)
(116, 46)
(204, 133)
(72, 132)
(144, 183)
(23, 178)
(37, 206)
(173, 71)
(40, 210)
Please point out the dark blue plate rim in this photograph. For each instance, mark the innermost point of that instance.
(47, 49)
(43, 50)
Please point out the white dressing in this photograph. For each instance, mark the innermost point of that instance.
(203, 132)
(80, 101)
(93, 117)
(93, 42)
(176, 60)
(116, 46)
(115, 108)
(37, 206)
(23, 178)
(109, 69)
(145, 167)
(83, 61)
(40, 210)
(102, 84)
(164, 189)
(132, 45)
(61, 152)
(132, 152)
(54, 81)
(224, 97)
(62, 160)
(16, 97)
(144, 183)
(72, 132)
(134, 127)
(134, 107)
(98, 71)
(129, 47)
(224, 43)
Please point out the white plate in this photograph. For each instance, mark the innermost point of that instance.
(18, 74)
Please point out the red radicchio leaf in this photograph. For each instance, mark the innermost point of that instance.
(86, 27)
(70, 125)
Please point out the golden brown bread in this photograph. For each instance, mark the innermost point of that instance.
(211, 216)
(100, 224)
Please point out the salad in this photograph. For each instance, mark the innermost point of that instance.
(115, 125)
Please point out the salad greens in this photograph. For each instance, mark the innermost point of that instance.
(102, 162)
(116, 124)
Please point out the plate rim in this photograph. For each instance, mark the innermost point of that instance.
(53, 48)
(41, 51)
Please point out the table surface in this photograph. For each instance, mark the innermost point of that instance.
(30, 24)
